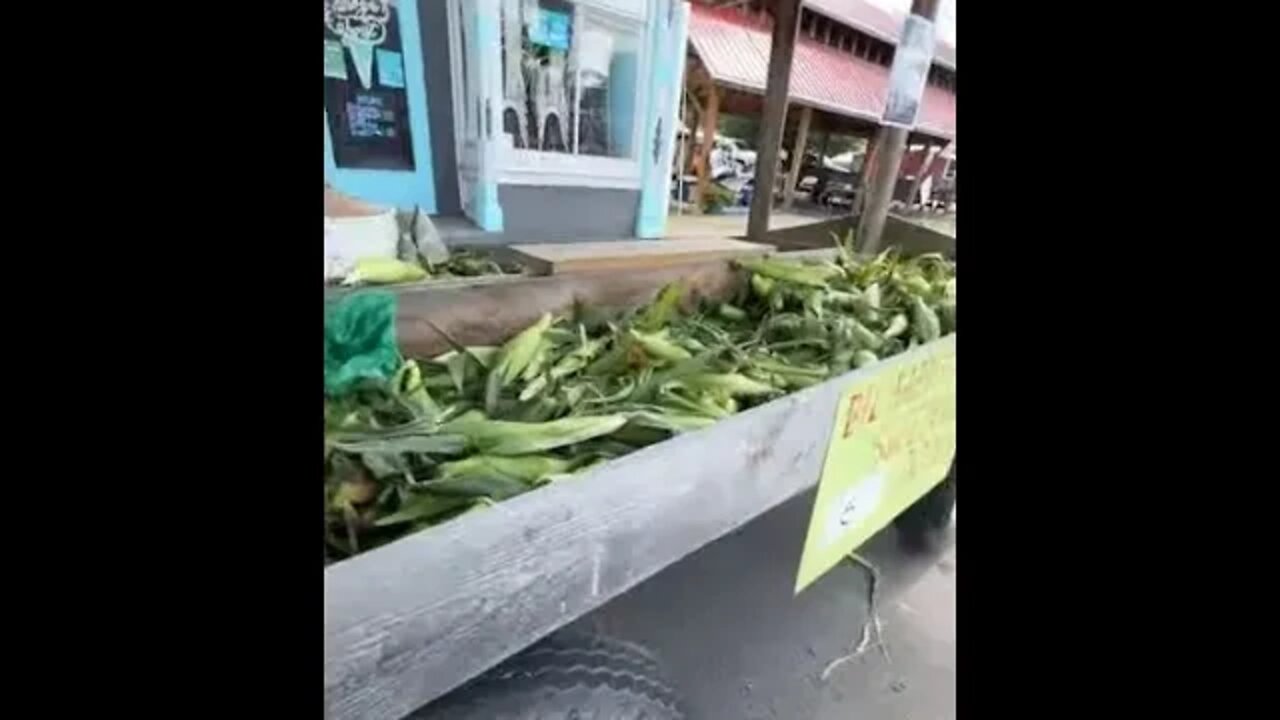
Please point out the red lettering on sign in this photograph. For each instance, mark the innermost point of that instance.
(862, 410)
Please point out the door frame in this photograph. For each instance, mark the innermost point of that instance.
(477, 163)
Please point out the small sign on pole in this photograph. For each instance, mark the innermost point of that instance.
(909, 73)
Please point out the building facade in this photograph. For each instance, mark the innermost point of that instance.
(532, 119)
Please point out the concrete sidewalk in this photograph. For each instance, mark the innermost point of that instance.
(740, 646)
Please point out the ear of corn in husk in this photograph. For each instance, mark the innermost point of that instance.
(503, 437)
(513, 358)
(526, 468)
(811, 275)
(927, 325)
(735, 384)
(659, 346)
(383, 271)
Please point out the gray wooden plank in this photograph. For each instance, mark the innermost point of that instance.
(410, 621)
(625, 255)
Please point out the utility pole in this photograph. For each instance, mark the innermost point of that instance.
(786, 19)
(892, 143)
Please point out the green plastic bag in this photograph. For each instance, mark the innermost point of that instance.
(359, 340)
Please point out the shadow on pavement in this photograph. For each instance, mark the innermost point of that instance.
(730, 632)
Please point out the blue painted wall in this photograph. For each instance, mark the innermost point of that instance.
(670, 31)
(485, 57)
(622, 102)
(402, 189)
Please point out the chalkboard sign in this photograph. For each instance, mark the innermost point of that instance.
(365, 99)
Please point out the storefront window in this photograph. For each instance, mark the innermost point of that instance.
(570, 77)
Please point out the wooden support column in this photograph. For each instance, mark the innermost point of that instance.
(864, 178)
(694, 111)
(889, 160)
(710, 117)
(786, 20)
(797, 156)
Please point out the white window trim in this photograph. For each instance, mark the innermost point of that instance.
(532, 167)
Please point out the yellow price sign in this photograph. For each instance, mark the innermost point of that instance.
(893, 439)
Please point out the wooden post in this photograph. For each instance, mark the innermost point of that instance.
(797, 156)
(710, 117)
(888, 161)
(864, 178)
(786, 20)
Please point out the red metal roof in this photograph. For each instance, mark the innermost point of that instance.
(876, 21)
(735, 50)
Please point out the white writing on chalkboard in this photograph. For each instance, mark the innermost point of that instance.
(368, 117)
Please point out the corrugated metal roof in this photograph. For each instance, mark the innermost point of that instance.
(876, 21)
(735, 50)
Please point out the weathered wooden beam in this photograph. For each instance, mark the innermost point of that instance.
(797, 156)
(786, 20)
(488, 313)
(864, 178)
(410, 621)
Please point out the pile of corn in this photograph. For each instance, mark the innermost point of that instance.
(478, 425)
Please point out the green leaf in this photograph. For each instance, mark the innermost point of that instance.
(492, 485)
(421, 507)
(661, 310)
(430, 444)
(384, 465)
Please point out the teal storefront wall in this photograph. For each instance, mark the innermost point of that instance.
(402, 189)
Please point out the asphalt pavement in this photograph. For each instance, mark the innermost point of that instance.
(741, 646)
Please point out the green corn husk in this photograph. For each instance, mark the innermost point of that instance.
(527, 468)
(384, 271)
(410, 389)
(897, 326)
(515, 356)
(761, 286)
(520, 351)
(534, 388)
(436, 444)
(914, 285)
(927, 325)
(538, 361)
(863, 336)
(674, 401)
(502, 437)
(791, 375)
(947, 315)
(482, 354)
(872, 295)
(734, 384)
(416, 450)
(731, 312)
(662, 309)
(422, 507)
(657, 345)
(578, 358)
(672, 421)
(811, 275)
(492, 486)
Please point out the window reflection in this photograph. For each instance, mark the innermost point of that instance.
(569, 77)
